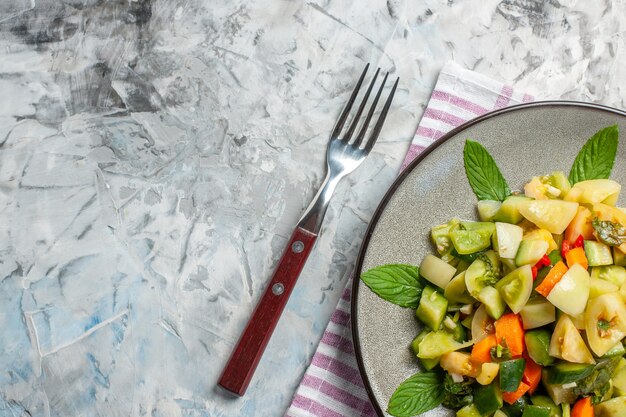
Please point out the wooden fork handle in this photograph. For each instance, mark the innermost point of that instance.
(249, 349)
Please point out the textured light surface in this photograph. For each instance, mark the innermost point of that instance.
(155, 155)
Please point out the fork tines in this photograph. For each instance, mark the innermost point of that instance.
(358, 140)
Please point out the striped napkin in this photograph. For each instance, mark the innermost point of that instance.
(332, 385)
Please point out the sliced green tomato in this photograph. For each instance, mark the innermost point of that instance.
(482, 324)
(552, 215)
(598, 253)
(605, 322)
(506, 239)
(499, 413)
(516, 287)
(436, 344)
(598, 287)
(566, 343)
(509, 211)
(482, 272)
(487, 209)
(436, 271)
(571, 293)
(470, 237)
(594, 191)
(537, 313)
(612, 408)
(530, 251)
(432, 308)
(440, 235)
(538, 346)
(456, 291)
(542, 234)
(559, 180)
(610, 273)
(493, 302)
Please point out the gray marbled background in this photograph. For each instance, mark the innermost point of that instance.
(155, 155)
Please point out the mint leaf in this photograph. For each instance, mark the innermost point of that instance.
(483, 174)
(396, 283)
(420, 393)
(595, 160)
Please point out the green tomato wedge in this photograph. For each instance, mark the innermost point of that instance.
(483, 272)
(605, 322)
(566, 343)
(516, 287)
(487, 209)
(537, 313)
(470, 237)
(594, 191)
(611, 273)
(612, 408)
(456, 291)
(552, 215)
(506, 239)
(436, 344)
(571, 293)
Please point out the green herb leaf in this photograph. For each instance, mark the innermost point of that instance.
(457, 395)
(483, 174)
(396, 283)
(608, 232)
(420, 393)
(595, 160)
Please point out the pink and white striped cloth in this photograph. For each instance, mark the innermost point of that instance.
(332, 385)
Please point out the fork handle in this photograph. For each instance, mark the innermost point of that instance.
(251, 344)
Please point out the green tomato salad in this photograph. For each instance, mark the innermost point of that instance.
(523, 312)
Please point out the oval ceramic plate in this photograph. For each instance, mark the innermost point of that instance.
(525, 140)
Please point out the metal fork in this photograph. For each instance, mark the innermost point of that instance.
(343, 155)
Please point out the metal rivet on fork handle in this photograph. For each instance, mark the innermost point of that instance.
(278, 288)
(297, 246)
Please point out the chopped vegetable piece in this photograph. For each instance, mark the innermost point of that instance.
(509, 330)
(611, 408)
(511, 373)
(576, 256)
(511, 397)
(436, 271)
(459, 363)
(553, 277)
(583, 408)
(536, 411)
(488, 398)
(566, 372)
(532, 375)
(567, 343)
(571, 293)
(611, 233)
(537, 313)
(488, 372)
(432, 308)
(481, 351)
(538, 345)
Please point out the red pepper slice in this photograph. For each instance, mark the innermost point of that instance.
(579, 242)
(566, 246)
(534, 269)
(545, 261)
